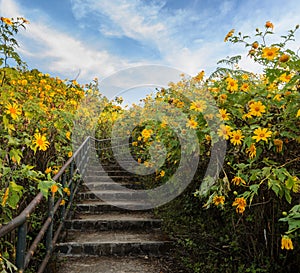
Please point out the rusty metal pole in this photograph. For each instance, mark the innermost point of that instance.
(50, 228)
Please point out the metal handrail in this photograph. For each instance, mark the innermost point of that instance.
(23, 257)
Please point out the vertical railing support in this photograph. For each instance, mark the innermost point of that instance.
(71, 180)
(21, 246)
(49, 235)
(63, 207)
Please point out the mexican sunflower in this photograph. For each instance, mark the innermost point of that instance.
(270, 53)
(40, 142)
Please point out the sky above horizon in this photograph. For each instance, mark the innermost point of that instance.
(96, 38)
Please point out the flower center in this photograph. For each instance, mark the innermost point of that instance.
(12, 110)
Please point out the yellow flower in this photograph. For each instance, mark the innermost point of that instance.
(40, 142)
(13, 110)
(163, 124)
(147, 164)
(48, 170)
(269, 25)
(278, 143)
(134, 143)
(251, 151)
(238, 180)
(67, 191)
(257, 108)
(68, 135)
(54, 189)
(247, 115)
(255, 45)
(262, 134)
(180, 104)
(25, 21)
(198, 106)
(62, 202)
(162, 173)
(245, 87)
(224, 131)
(208, 137)
(200, 76)
(232, 84)
(223, 98)
(192, 124)
(270, 53)
(6, 21)
(286, 243)
(298, 114)
(70, 154)
(240, 204)
(236, 137)
(24, 82)
(217, 200)
(229, 34)
(284, 58)
(277, 97)
(146, 133)
(223, 114)
(5, 197)
(285, 77)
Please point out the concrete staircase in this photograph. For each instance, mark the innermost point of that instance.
(103, 237)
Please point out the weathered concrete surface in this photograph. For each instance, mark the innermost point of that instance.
(104, 238)
(110, 265)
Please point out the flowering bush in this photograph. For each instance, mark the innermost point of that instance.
(258, 116)
(36, 122)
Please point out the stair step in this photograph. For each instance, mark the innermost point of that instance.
(117, 221)
(96, 172)
(109, 265)
(104, 178)
(114, 167)
(110, 195)
(114, 243)
(110, 185)
(94, 207)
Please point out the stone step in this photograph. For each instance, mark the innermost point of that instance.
(97, 172)
(110, 195)
(113, 167)
(111, 186)
(104, 178)
(114, 221)
(109, 265)
(96, 207)
(118, 243)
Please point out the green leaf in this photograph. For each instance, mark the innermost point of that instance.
(254, 188)
(287, 195)
(15, 193)
(44, 187)
(17, 188)
(275, 186)
(16, 154)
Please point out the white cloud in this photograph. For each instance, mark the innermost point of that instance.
(187, 39)
(60, 52)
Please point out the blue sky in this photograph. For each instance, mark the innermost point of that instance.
(95, 38)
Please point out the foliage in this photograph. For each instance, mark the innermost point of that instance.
(258, 116)
(37, 113)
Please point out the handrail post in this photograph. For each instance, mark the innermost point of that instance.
(63, 209)
(71, 179)
(21, 246)
(50, 228)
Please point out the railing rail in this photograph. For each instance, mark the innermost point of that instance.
(66, 176)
